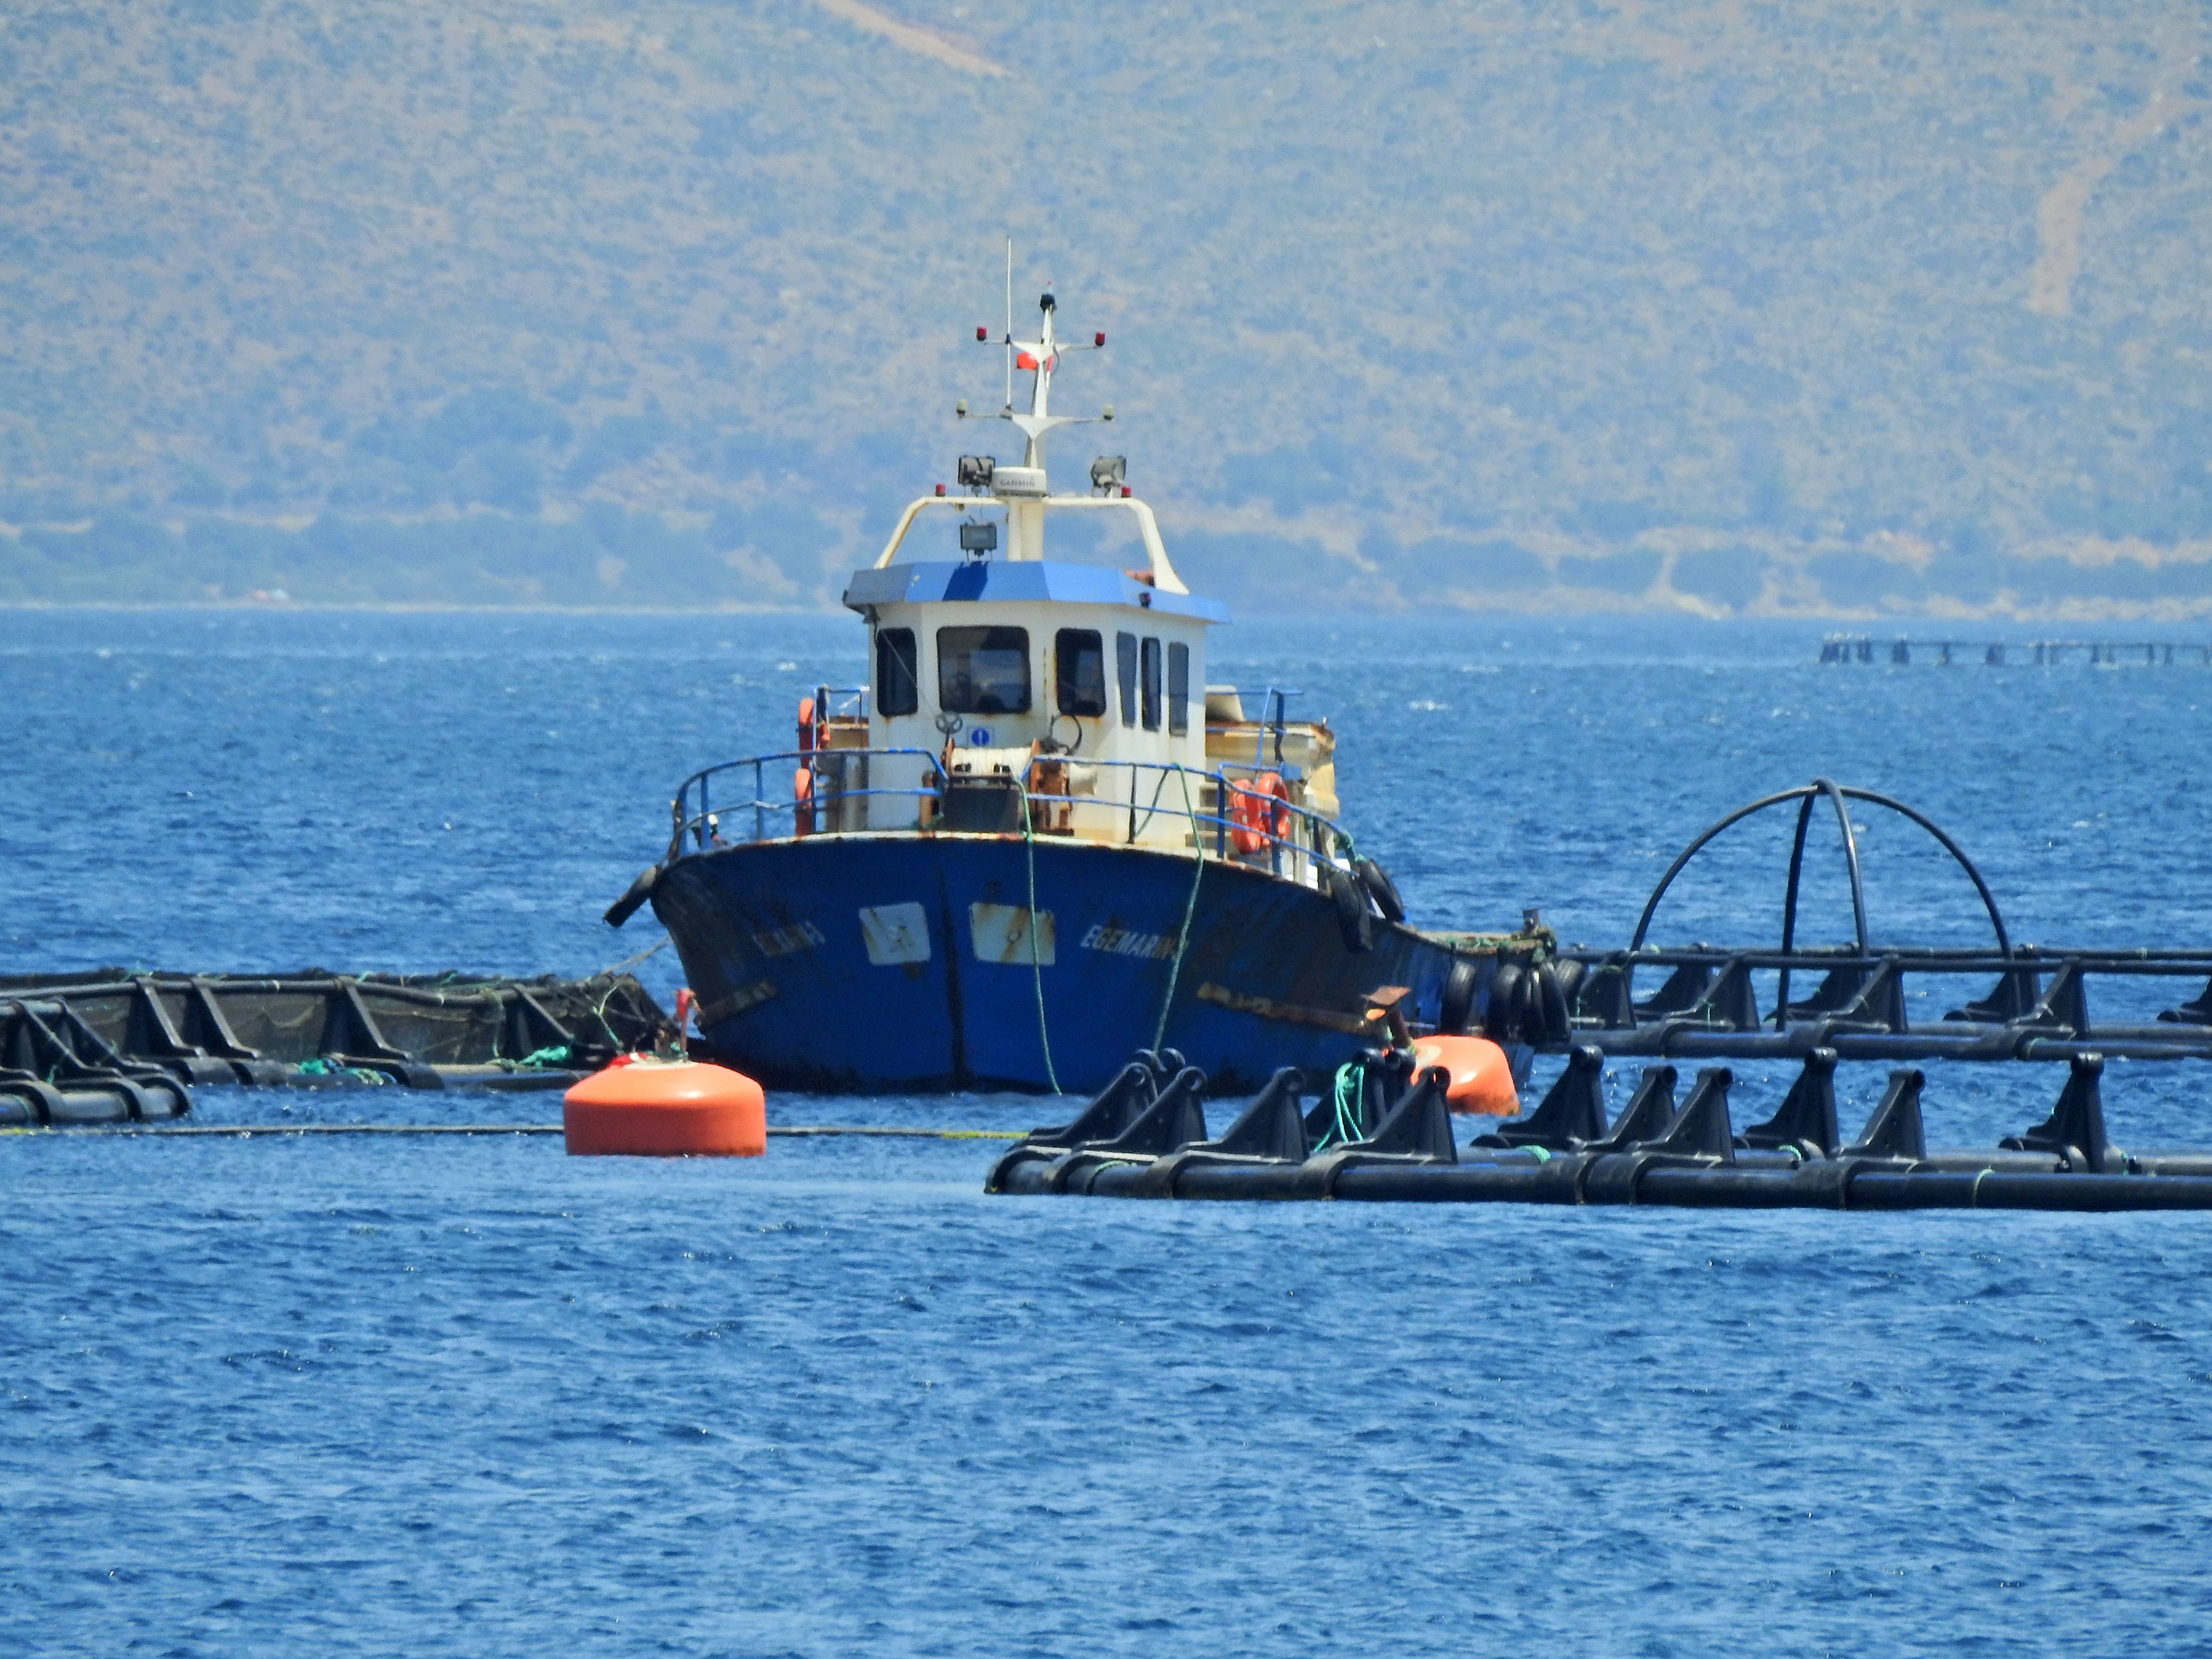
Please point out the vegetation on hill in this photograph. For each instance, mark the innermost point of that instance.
(1825, 307)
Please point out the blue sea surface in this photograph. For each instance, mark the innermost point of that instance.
(386, 1395)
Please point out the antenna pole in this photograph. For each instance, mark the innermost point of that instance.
(1010, 322)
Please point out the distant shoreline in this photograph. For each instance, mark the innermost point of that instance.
(296, 607)
(1878, 625)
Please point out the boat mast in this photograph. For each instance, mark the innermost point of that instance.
(1040, 357)
(1024, 495)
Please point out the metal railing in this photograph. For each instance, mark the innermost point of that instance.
(697, 820)
(840, 703)
(1290, 839)
(1271, 832)
(1273, 722)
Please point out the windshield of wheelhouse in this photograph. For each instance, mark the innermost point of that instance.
(983, 670)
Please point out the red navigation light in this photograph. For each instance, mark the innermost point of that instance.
(940, 489)
(982, 333)
(1125, 492)
(1098, 339)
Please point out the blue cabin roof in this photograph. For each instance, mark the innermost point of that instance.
(1035, 579)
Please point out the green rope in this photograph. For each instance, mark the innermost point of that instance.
(323, 1066)
(599, 1011)
(1189, 908)
(1351, 1103)
(1351, 1082)
(1036, 966)
(556, 1055)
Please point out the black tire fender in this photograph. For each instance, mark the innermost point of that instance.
(630, 904)
(1547, 1018)
(1501, 1021)
(1569, 972)
(1456, 1008)
(1380, 888)
(1354, 920)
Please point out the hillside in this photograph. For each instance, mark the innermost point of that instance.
(1829, 306)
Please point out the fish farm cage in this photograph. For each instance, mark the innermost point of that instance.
(110, 1046)
(1998, 653)
(2001, 1001)
(1380, 1130)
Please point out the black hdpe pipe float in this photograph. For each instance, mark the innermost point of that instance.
(1145, 1136)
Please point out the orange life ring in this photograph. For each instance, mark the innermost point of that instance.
(1256, 812)
(810, 736)
(802, 802)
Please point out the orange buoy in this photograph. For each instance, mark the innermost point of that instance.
(666, 1108)
(1481, 1077)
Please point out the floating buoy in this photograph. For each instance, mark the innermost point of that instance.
(665, 1109)
(1481, 1077)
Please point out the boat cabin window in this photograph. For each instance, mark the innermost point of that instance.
(1079, 666)
(1178, 690)
(1151, 689)
(898, 683)
(983, 670)
(1125, 666)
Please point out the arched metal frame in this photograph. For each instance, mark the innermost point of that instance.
(1808, 794)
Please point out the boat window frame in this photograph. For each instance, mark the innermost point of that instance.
(886, 644)
(949, 653)
(1068, 647)
(1148, 690)
(1125, 672)
(1178, 689)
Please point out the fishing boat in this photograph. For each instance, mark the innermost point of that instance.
(1039, 839)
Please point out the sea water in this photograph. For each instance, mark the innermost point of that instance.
(352, 1394)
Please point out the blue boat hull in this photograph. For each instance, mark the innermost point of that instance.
(793, 990)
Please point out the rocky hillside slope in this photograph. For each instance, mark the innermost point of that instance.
(1826, 307)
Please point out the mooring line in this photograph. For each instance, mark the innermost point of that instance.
(1189, 908)
(628, 963)
(246, 1131)
(1037, 964)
